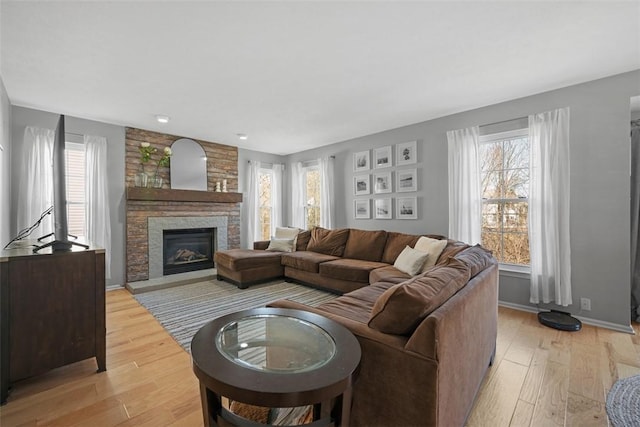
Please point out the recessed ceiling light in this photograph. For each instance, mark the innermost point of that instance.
(242, 136)
(162, 119)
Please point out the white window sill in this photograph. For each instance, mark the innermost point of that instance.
(511, 270)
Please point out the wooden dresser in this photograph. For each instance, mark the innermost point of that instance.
(52, 311)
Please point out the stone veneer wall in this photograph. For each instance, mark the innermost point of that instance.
(222, 163)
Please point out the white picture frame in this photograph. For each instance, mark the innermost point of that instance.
(361, 161)
(362, 209)
(362, 184)
(407, 208)
(406, 153)
(383, 209)
(406, 180)
(382, 183)
(382, 157)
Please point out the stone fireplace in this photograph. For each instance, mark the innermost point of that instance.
(151, 211)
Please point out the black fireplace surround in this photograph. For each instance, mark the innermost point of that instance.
(187, 250)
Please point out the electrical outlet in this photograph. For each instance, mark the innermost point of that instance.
(585, 304)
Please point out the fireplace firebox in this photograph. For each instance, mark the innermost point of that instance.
(187, 250)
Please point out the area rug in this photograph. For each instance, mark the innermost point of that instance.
(183, 310)
(623, 402)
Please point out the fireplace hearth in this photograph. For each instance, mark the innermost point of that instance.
(187, 250)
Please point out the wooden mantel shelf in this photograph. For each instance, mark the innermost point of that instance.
(169, 195)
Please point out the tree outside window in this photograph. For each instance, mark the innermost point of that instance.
(505, 193)
(265, 201)
(312, 197)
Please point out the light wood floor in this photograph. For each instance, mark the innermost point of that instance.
(541, 377)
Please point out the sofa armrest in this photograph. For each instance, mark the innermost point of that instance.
(360, 330)
(261, 245)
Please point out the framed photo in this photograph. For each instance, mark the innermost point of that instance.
(361, 209)
(361, 184)
(383, 209)
(382, 157)
(361, 161)
(406, 153)
(382, 183)
(407, 208)
(406, 180)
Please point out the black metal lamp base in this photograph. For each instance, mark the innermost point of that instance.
(559, 320)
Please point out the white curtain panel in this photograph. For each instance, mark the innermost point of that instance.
(276, 198)
(327, 205)
(465, 198)
(297, 195)
(549, 201)
(253, 203)
(35, 185)
(97, 218)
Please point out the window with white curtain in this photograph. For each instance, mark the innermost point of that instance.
(504, 160)
(312, 201)
(265, 200)
(75, 162)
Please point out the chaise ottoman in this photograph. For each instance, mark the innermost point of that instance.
(245, 267)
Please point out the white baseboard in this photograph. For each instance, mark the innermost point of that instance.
(114, 287)
(586, 320)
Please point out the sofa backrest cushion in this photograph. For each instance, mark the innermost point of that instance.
(328, 242)
(476, 258)
(303, 240)
(453, 247)
(396, 242)
(401, 308)
(365, 245)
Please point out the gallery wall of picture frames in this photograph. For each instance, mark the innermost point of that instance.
(375, 173)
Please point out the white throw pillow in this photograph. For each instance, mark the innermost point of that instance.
(288, 233)
(433, 247)
(280, 245)
(410, 261)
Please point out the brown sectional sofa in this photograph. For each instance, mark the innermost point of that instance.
(426, 340)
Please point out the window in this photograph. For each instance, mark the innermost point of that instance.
(504, 161)
(75, 164)
(265, 199)
(312, 196)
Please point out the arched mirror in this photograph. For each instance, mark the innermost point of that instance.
(188, 165)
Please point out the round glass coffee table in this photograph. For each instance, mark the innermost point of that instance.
(275, 358)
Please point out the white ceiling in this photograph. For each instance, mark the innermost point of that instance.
(298, 75)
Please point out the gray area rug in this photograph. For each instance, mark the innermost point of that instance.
(623, 402)
(183, 310)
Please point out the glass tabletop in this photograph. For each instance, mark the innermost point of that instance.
(275, 344)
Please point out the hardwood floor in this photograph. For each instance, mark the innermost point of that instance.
(541, 377)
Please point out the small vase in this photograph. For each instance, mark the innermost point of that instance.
(156, 182)
(141, 179)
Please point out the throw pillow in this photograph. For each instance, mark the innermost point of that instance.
(433, 248)
(402, 307)
(410, 261)
(288, 233)
(328, 242)
(280, 245)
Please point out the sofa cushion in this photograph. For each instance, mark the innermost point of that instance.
(401, 308)
(356, 305)
(452, 248)
(433, 247)
(303, 240)
(354, 270)
(305, 260)
(476, 258)
(366, 245)
(388, 273)
(396, 242)
(328, 242)
(410, 261)
(243, 259)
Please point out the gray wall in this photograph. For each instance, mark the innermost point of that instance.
(22, 117)
(600, 190)
(243, 158)
(5, 165)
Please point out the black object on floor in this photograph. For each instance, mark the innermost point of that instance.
(559, 320)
